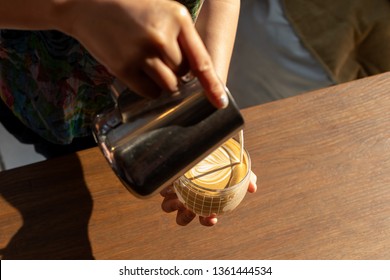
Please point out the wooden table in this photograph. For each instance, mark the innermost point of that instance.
(323, 163)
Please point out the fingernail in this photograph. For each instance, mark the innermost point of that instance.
(213, 221)
(224, 101)
(169, 190)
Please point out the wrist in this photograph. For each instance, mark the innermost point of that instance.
(64, 15)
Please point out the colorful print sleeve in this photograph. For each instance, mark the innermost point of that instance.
(52, 84)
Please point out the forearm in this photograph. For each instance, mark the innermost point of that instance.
(143, 43)
(31, 15)
(217, 24)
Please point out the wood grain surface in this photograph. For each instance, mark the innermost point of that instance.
(323, 165)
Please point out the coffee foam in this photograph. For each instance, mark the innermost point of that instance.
(221, 169)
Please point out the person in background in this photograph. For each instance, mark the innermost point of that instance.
(287, 47)
(58, 59)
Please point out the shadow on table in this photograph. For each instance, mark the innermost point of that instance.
(55, 216)
(43, 147)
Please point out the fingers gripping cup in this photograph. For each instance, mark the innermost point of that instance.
(218, 183)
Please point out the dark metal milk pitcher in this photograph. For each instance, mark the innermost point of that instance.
(150, 143)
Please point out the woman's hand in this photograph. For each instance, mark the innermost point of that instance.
(147, 44)
(184, 216)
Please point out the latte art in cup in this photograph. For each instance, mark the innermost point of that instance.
(218, 183)
(221, 169)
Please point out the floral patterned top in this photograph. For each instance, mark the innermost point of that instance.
(52, 84)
